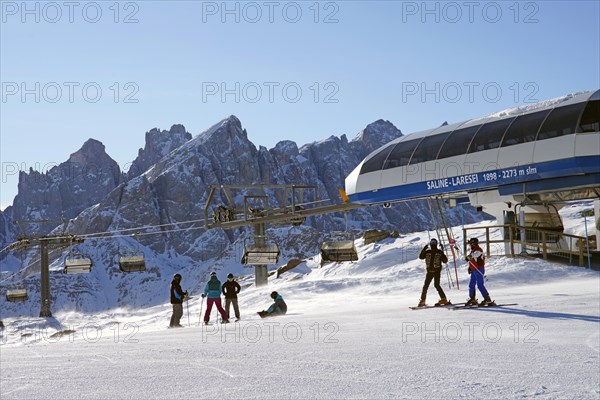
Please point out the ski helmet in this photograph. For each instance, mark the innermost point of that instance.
(474, 241)
(213, 273)
(229, 275)
(176, 276)
(433, 242)
(274, 295)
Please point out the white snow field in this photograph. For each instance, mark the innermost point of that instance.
(349, 334)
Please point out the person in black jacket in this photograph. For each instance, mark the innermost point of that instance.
(231, 289)
(434, 257)
(177, 296)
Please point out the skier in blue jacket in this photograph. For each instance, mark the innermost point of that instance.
(277, 308)
(212, 290)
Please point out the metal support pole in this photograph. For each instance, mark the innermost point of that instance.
(261, 272)
(587, 241)
(44, 280)
(523, 233)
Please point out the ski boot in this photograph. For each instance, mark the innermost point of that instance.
(472, 301)
(421, 303)
(487, 302)
(442, 302)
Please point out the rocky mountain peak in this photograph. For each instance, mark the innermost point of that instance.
(68, 188)
(158, 145)
(92, 151)
(228, 130)
(378, 133)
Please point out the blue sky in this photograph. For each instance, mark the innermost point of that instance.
(289, 70)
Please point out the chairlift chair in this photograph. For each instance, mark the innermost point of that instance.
(261, 254)
(16, 295)
(77, 264)
(19, 294)
(339, 247)
(132, 262)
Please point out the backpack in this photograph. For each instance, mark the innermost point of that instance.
(213, 284)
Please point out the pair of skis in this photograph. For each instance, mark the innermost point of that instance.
(461, 306)
(449, 305)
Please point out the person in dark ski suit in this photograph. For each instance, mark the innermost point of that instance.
(434, 257)
(231, 289)
(277, 308)
(177, 297)
(476, 269)
(212, 290)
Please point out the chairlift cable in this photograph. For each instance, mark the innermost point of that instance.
(36, 260)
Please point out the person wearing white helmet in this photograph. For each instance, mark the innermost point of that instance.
(476, 269)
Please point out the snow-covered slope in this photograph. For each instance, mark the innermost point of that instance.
(348, 334)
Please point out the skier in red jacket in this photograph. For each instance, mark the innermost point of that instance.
(476, 261)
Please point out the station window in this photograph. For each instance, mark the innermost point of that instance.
(561, 121)
(458, 142)
(524, 129)
(490, 135)
(590, 120)
(401, 154)
(429, 148)
(375, 163)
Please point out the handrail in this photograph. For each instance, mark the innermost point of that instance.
(543, 244)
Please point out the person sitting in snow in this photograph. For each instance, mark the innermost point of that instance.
(277, 308)
(434, 257)
(476, 269)
(177, 296)
(212, 290)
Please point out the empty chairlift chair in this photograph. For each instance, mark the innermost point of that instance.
(261, 254)
(16, 295)
(77, 264)
(339, 247)
(132, 262)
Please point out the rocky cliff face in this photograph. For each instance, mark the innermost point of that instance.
(66, 189)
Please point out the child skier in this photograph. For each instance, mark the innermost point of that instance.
(476, 269)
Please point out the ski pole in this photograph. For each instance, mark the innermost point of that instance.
(200, 316)
(188, 311)
(448, 276)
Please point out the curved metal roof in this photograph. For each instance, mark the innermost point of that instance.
(569, 99)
